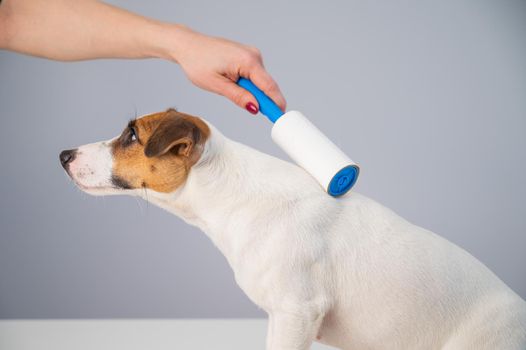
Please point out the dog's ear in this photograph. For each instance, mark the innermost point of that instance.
(176, 135)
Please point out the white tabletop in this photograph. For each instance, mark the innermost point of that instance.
(132, 334)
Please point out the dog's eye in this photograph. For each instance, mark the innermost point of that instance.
(128, 137)
(133, 135)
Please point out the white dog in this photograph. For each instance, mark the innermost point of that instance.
(346, 272)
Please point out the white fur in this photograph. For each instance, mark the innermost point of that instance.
(348, 271)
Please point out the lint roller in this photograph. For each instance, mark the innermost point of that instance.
(307, 145)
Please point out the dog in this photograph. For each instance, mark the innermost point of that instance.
(346, 272)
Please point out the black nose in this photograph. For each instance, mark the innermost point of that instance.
(67, 156)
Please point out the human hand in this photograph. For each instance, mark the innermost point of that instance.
(215, 64)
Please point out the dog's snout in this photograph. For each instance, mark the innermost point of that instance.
(67, 156)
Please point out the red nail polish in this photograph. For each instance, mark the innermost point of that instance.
(251, 108)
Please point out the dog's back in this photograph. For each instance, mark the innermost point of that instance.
(395, 279)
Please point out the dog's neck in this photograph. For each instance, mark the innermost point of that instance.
(233, 185)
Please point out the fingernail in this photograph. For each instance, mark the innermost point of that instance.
(251, 108)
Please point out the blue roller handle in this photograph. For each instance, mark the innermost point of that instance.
(266, 106)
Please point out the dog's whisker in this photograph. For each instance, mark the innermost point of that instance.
(139, 204)
(146, 197)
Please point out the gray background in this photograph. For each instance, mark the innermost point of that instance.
(429, 97)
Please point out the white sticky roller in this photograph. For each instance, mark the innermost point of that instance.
(314, 152)
(307, 145)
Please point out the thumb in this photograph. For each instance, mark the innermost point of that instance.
(238, 95)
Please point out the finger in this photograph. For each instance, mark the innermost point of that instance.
(264, 82)
(237, 94)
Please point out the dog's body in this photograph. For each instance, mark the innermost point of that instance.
(347, 272)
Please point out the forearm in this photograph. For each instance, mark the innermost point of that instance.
(69, 30)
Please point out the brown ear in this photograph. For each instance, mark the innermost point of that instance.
(176, 135)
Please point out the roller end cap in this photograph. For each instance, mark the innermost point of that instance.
(343, 181)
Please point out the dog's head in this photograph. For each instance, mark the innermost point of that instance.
(155, 152)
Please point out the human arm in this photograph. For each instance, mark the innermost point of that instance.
(86, 29)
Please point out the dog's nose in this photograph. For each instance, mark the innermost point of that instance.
(67, 156)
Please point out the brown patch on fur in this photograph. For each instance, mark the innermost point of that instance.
(167, 145)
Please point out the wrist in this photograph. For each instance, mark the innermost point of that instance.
(170, 41)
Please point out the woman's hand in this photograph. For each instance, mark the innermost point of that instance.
(80, 30)
(215, 64)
